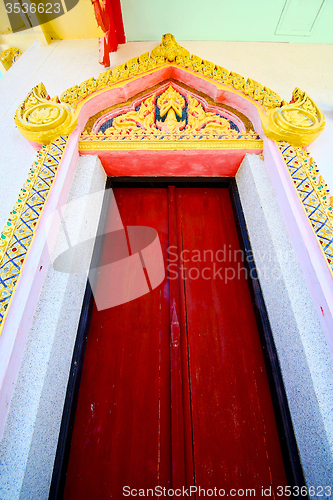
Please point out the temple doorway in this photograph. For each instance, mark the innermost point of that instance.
(174, 390)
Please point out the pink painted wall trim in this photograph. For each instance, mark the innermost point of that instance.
(25, 298)
(116, 95)
(314, 266)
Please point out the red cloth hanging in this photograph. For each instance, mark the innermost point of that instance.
(109, 18)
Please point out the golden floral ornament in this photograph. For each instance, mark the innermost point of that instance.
(41, 119)
(171, 103)
(193, 120)
(9, 56)
(299, 122)
(206, 122)
(41, 115)
(169, 118)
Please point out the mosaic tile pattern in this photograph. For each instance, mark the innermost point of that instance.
(231, 136)
(21, 225)
(314, 195)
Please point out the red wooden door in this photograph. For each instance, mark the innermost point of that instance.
(174, 390)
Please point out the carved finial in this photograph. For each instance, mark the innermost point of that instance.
(300, 122)
(9, 56)
(169, 49)
(41, 119)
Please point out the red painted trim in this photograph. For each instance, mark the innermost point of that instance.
(195, 163)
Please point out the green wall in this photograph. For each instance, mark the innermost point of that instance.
(237, 20)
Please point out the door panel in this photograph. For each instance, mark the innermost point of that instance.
(236, 444)
(174, 389)
(122, 425)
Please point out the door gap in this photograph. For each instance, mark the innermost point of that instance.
(188, 359)
(159, 396)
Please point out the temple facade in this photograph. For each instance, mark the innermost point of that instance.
(163, 114)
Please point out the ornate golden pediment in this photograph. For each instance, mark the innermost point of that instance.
(299, 122)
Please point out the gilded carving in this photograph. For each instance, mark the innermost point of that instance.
(170, 52)
(169, 49)
(184, 89)
(171, 99)
(271, 99)
(143, 119)
(172, 144)
(19, 230)
(297, 118)
(254, 89)
(101, 81)
(41, 119)
(9, 56)
(207, 122)
(170, 118)
(221, 74)
(193, 120)
(237, 81)
(300, 122)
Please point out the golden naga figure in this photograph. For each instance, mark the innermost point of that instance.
(300, 122)
(41, 119)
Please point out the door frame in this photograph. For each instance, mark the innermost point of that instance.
(290, 452)
(301, 317)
